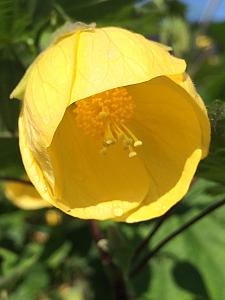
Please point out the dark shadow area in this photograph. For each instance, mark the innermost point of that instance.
(188, 277)
(142, 282)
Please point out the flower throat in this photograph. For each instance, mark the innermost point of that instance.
(105, 116)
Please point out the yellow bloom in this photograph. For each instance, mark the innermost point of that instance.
(53, 217)
(203, 41)
(24, 195)
(111, 126)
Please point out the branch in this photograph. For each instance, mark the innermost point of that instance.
(173, 235)
(115, 275)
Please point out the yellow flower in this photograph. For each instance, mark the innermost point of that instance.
(111, 126)
(24, 195)
(53, 217)
(204, 42)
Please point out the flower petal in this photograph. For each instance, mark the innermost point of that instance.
(185, 81)
(111, 57)
(48, 87)
(35, 159)
(89, 184)
(68, 71)
(24, 196)
(171, 132)
(19, 90)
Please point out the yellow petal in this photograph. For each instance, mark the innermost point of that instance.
(49, 87)
(111, 57)
(35, 159)
(89, 184)
(24, 195)
(85, 63)
(172, 135)
(66, 167)
(185, 81)
(19, 90)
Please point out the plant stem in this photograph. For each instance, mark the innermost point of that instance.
(115, 275)
(62, 13)
(173, 235)
(18, 180)
(151, 234)
(97, 236)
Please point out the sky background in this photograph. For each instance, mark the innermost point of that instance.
(197, 9)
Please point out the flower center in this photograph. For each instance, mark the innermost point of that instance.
(105, 116)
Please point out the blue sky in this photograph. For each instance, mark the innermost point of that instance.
(196, 9)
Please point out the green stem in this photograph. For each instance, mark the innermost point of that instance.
(149, 237)
(173, 235)
(62, 13)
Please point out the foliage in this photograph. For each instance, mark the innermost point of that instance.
(42, 261)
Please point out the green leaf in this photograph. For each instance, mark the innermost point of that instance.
(211, 168)
(13, 21)
(59, 255)
(175, 32)
(10, 73)
(119, 248)
(10, 221)
(9, 258)
(10, 159)
(21, 266)
(34, 284)
(192, 265)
